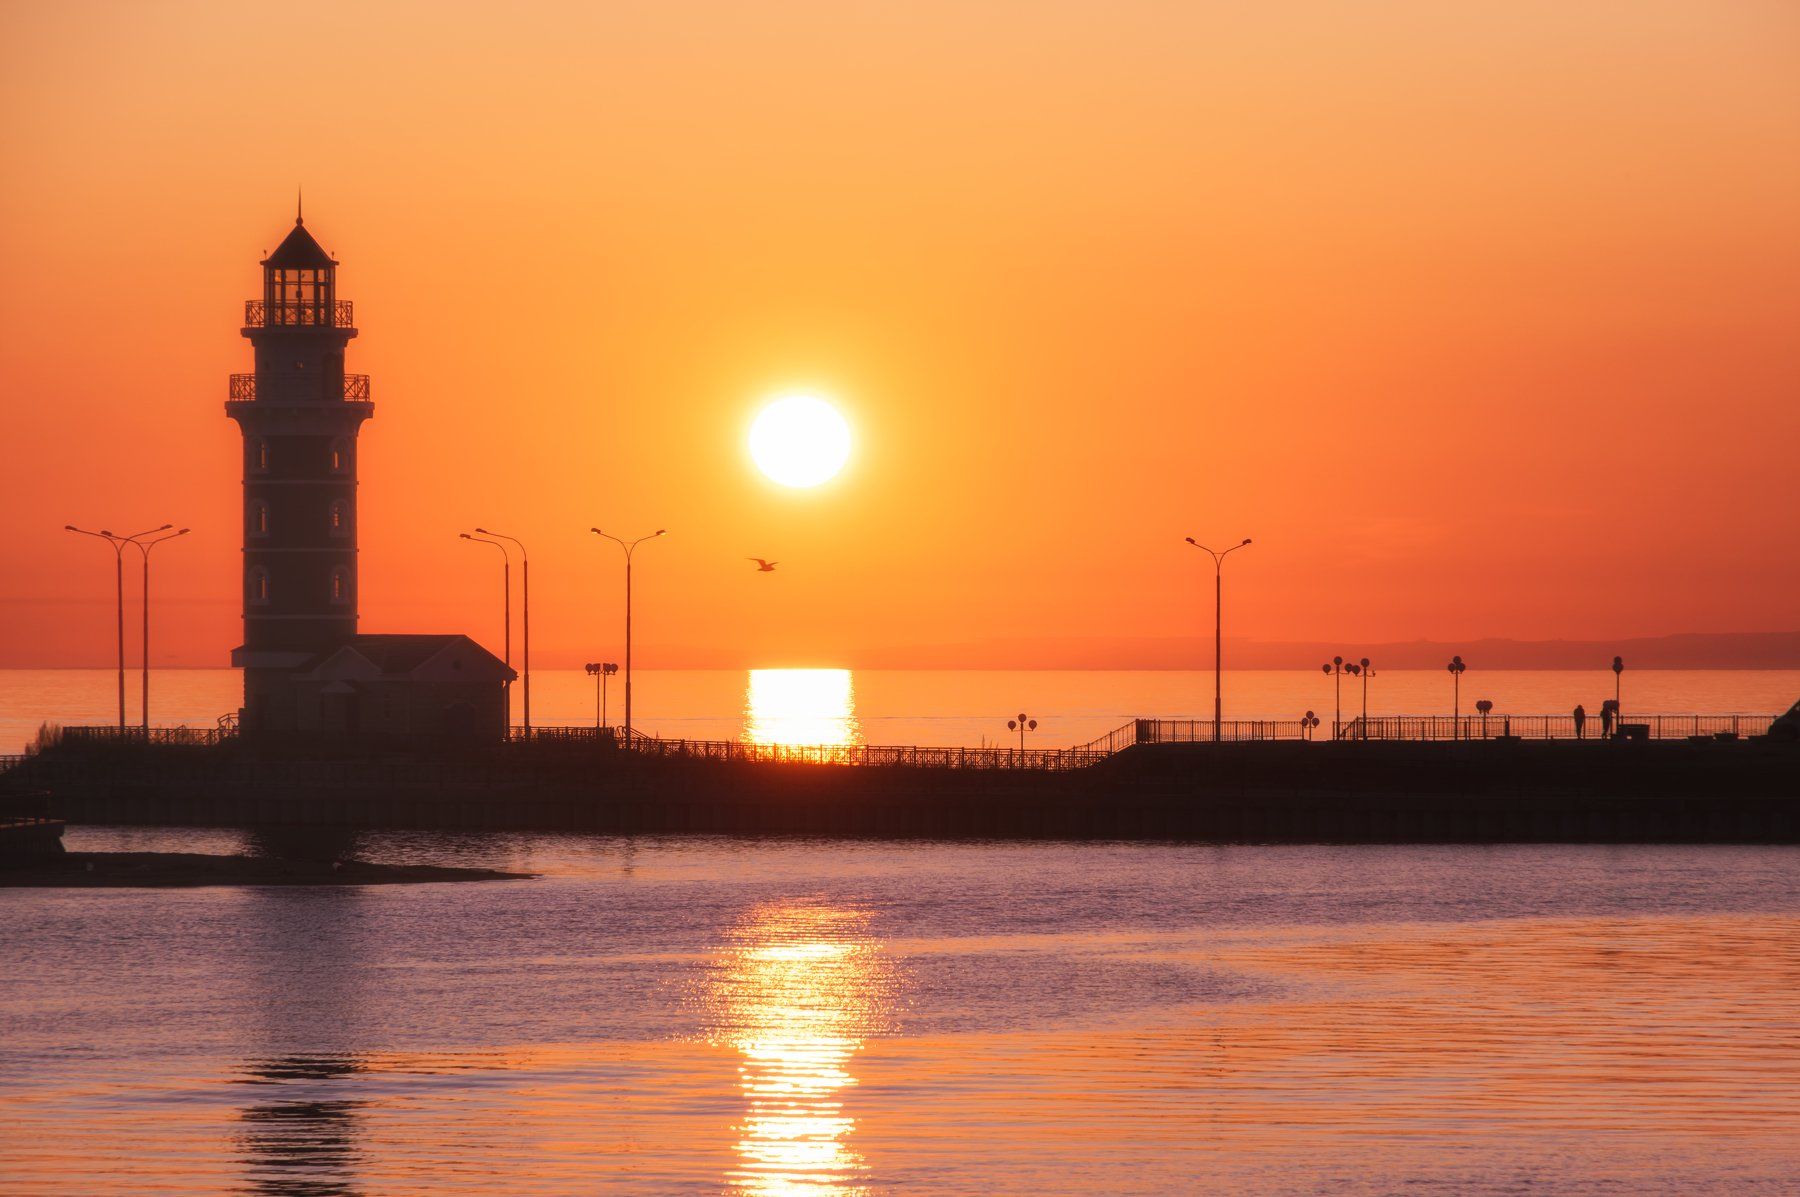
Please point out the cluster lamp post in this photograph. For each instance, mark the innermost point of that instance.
(1336, 671)
(628, 546)
(1361, 669)
(1218, 625)
(600, 671)
(1021, 725)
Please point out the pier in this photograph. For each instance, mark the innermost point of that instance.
(1715, 778)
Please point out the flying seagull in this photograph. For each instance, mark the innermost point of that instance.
(763, 567)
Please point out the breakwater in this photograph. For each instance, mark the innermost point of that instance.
(1667, 792)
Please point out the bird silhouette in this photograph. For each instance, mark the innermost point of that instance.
(763, 567)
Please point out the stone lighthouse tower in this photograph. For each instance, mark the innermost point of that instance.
(299, 413)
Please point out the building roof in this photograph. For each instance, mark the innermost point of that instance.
(298, 251)
(403, 654)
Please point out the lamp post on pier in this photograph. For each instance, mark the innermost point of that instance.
(1618, 668)
(1456, 668)
(505, 608)
(143, 548)
(1361, 669)
(1021, 725)
(1218, 625)
(629, 546)
(1336, 671)
(600, 671)
(525, 561)
(118, 544)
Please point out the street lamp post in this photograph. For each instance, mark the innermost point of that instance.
(628, 546)
(1336, 671)
(118, 544)
(144, 547)
(1456, 668)
(1021, 725)
(1218, 625)
(1308, 722)
(525, 561)
(505, 607)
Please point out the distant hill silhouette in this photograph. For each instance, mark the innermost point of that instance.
(1692, 650)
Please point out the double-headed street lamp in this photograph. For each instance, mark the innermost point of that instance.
(505, 606)
(1218, 625)
(143, 542)
(525, 560)
(600, 671)
(1456, 668)
(628, 546)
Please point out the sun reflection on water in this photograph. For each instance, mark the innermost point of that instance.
(801, 707)
(797, 994)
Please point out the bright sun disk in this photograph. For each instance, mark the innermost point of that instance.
(799, 441)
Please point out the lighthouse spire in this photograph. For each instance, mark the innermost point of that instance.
(299, 205)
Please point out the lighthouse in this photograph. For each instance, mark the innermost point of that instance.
(307, 669)
(300, 414)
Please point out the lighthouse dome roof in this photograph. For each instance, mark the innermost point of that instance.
(298, 251)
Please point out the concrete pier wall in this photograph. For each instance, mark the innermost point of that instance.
(1391, 793)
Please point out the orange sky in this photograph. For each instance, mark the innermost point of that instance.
(1480, 319)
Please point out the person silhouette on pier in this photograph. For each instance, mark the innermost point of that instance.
(1609, 710)
(1580, 721)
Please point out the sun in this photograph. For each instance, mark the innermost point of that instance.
(799, 441)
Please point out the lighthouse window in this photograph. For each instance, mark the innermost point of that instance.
(340, 585)
(340, 518)
(259, 519)
(340, 456)
(300, 296)
(258, 587)
(259, 455)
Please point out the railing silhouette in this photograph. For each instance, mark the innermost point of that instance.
(339, 313)
(1548, 727)
(1393, 728)
(1204, 731)
(355, 387)
(110, 733)
(862, 755)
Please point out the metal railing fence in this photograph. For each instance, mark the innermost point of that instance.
(1203, 731)
(108, 733)
(1547, 727)
(339, 313)
(242, 388)
(862, 755)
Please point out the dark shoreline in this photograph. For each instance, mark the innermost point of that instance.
(173, 870)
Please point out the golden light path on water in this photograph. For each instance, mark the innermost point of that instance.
(800, 989)
(801, 707)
